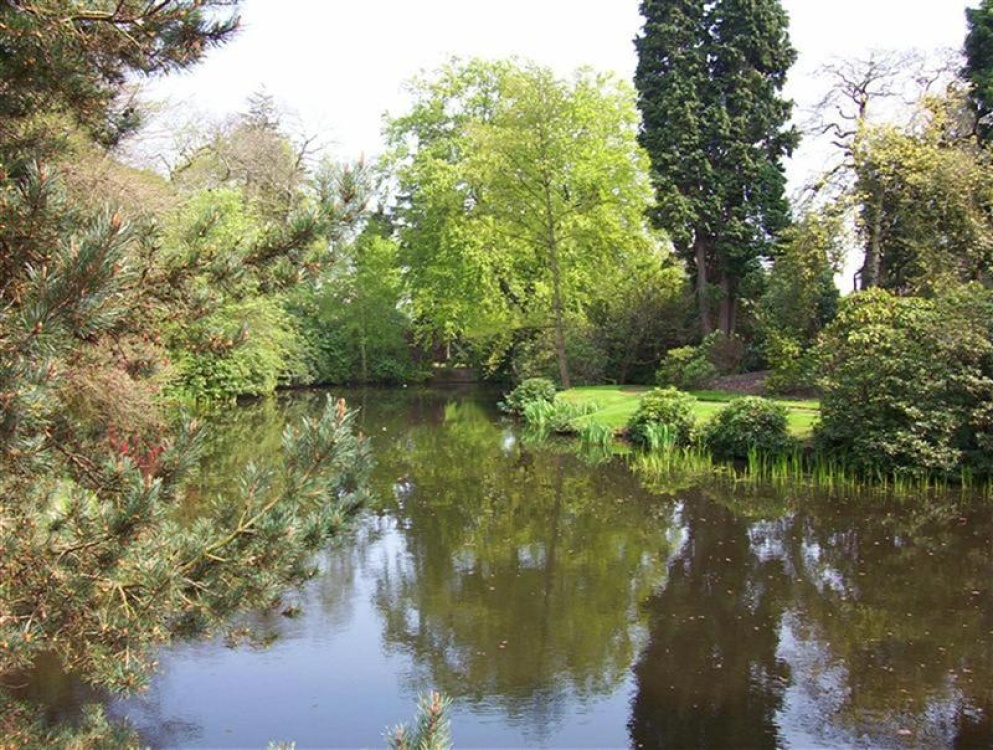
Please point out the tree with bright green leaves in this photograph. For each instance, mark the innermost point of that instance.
(96, 568)
(709, 79)
(800, 299)
(979, 65)
(924, 196)
(354, 317)
(522, 199)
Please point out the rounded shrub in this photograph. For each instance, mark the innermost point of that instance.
(686, 367)
(529, 391)
(908, 383)
(746, 425)
(664, 417)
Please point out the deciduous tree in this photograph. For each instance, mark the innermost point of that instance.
(524, 199)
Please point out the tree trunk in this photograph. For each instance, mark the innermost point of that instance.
(700, 247)
(558, 313)
(364, 359)
(558, 306)
(872, 267)
(728, 319)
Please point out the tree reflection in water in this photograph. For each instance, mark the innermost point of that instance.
(560, 603)
(835, 621)
(520, 582)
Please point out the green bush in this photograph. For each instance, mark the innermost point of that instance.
(793, 366)
(245, 348)
(908, 382)
(664, 415)
(748, 425)
(686, 367)
(530, 390)
(723, 352)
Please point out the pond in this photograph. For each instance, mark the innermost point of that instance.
(563, 602)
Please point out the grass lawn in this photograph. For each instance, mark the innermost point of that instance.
(617, 404)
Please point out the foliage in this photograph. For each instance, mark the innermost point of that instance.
(96, 571)
(793, 366)
(669, 408)
(521, 200)
(431, 730)
(924, 197)
(748, 425)
(800, 299)
(645, 314)
(229, 270)
(353, 318)
(532, 389)
(234, 339)
(725, 352)
(908, 382)
(979, 65)
(71, 57)
(25, 726)
(252, 154)
(686, 367)
(95, 568)
(715, 127)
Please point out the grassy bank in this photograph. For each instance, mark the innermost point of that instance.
(616, 404)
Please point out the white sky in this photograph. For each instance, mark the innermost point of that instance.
(340, 64)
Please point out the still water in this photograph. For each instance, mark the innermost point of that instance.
(562, 602)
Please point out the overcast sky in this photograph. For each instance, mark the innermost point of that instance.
(340, 64)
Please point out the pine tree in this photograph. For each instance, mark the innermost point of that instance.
(74, 57)
(709, 78)
(94, 569)
(979, 65)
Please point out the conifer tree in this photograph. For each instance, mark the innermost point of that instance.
(979, 65)
(709, 78)
(94, 568)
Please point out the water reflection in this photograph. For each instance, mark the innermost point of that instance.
(833, 623)
(567, 604)
(519, 584)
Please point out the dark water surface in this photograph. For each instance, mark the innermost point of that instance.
(563, 604)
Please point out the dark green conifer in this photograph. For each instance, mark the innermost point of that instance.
(709, 78)
(979, 65)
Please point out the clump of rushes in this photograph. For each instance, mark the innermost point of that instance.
(556, 416)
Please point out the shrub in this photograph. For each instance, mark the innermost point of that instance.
(748, 425)
(725, 353)
(907, 383)
(530, 390)
(686, 367)
(793, 366)
(664, 415)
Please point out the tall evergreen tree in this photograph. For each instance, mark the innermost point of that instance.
(979, 65)
(709, 78)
